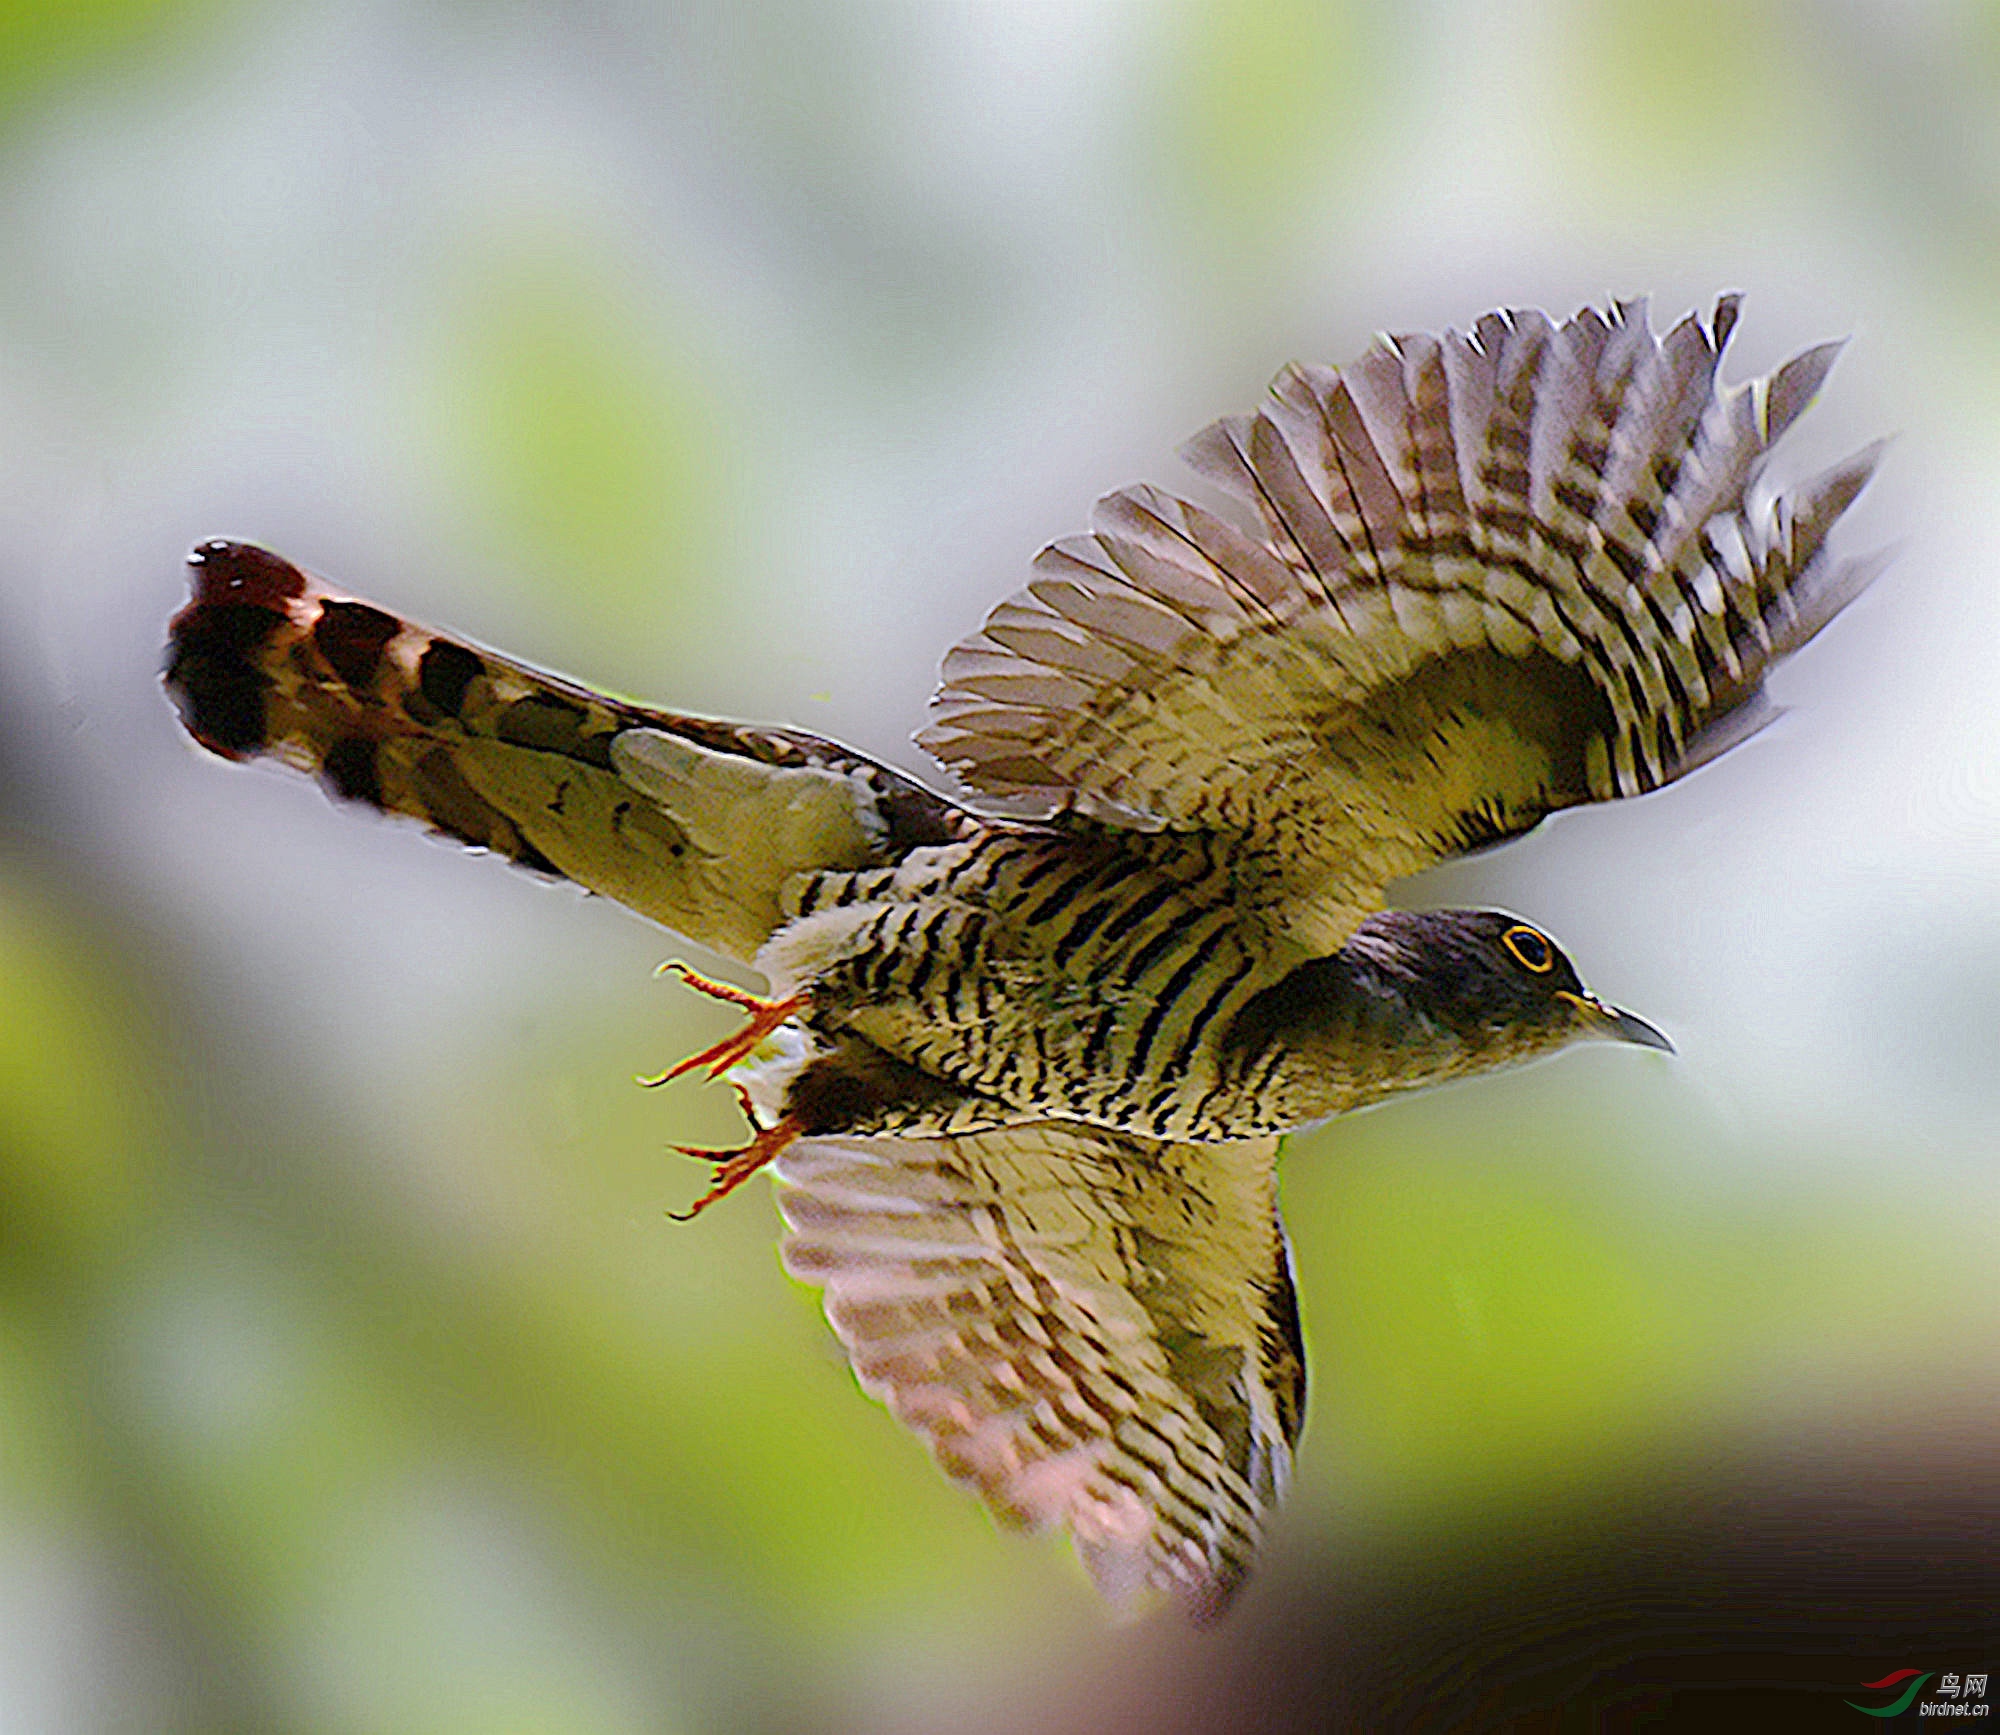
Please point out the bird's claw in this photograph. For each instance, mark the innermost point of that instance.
(765, 1016)
(734, 1167)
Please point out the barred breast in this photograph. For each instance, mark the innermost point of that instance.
(1068, 972)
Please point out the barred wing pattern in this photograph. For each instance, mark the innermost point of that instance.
(1091, 1330)
(1492, 575)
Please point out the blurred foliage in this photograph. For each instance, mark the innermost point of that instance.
(1496, 1317)
(1265, 98)
(45, 42)
(1691, 90)
(586, 450)
(77, 1181)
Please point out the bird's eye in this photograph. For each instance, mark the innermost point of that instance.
(1531, 951)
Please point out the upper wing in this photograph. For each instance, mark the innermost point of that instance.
(692, 822)
(1494, 574)
(1091, 1330)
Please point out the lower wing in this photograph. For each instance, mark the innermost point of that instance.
(1090, 1330)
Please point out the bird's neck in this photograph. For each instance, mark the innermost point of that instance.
(1347, 1030)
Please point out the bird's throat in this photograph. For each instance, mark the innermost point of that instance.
(1344, 1031)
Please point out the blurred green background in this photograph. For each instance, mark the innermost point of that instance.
(351, 1376)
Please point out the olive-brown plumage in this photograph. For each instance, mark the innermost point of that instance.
(1025, 1077)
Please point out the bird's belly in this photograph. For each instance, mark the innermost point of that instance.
(1055, 981)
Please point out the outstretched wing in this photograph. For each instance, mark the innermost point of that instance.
(1493, 574)
(1090, 1330)
(693, 822)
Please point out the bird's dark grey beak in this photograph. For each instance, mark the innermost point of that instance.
(1630, 1027)
(1597, 1019)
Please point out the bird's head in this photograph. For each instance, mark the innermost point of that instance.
(1493, 983)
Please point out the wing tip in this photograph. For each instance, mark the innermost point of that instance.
(1789, 392)
(1722, 322)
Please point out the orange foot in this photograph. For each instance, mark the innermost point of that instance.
(765, 1017)
(733, 1168)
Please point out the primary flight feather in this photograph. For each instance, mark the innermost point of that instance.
(1024, 1079)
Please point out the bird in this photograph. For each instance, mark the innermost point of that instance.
(1032, 1038)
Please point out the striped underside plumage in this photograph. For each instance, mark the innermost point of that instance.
(1035, 1060)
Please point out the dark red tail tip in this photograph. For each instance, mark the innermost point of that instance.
(241, 572)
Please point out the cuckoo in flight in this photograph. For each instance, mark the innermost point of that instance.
(1028, 1053)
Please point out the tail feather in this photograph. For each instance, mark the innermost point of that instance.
(693, 822)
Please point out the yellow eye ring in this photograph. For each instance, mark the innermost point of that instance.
(1531, 950)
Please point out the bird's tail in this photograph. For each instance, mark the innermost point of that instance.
(694, 822)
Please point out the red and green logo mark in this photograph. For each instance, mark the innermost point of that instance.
(1955, 1695)
(1902, 1700)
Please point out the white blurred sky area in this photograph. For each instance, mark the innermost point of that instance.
(742, 356)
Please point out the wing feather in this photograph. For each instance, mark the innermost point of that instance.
(1480, 576)
(1093, 1331)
